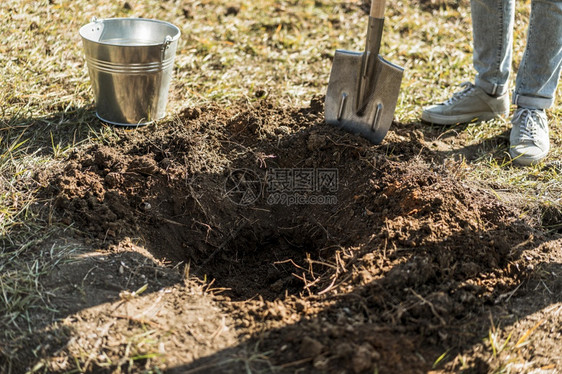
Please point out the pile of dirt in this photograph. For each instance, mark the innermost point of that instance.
(331, 254)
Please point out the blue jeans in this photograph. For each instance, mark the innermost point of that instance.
(539, 71)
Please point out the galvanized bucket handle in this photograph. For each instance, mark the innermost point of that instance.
(97, 23)
(97, 27)
(167, 41)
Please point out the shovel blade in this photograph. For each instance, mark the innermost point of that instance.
(342, 105)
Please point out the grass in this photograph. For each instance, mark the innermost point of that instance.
(24, 301)
(506, 354)
(227, 53)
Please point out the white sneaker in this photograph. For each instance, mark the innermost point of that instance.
(529, 142)
(471, 104)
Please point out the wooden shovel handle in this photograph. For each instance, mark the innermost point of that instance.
(377, 8)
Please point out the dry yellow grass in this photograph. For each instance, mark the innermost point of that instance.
(227, 52)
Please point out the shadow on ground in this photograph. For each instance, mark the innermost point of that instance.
(50, 135)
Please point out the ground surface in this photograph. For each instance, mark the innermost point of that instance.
(406, 263)
(243, 234)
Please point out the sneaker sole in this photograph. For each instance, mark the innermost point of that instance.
(524, 160)
(461, 118)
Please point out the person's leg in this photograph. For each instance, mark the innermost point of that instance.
(488, 98)
(492, 30)
(536, 83)
(539, 70)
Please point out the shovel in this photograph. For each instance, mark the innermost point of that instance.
(364, 87)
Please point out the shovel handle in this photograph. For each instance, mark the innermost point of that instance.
(377, 8)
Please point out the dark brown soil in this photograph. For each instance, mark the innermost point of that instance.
(327, 254)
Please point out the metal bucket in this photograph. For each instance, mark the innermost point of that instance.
(130, 61)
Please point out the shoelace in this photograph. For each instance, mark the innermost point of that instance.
(468, 88)
(529, 123)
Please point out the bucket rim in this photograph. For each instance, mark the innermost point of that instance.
(175, 37)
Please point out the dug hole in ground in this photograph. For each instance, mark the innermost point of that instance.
(259, 239)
